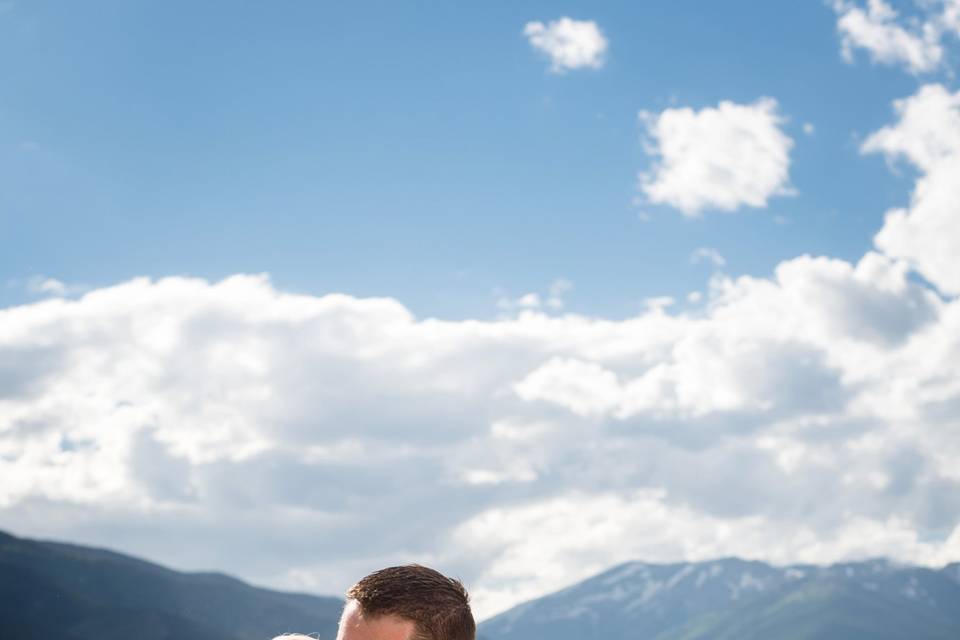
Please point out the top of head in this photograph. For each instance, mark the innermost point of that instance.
(413, 601)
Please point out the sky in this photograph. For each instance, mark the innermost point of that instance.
(298, 290)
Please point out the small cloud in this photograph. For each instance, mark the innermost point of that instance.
(44, 286)
(808, 128)
(877, 29)
(658, 303)
(570, 44)
(722, 157)
(707, 254)
(642, 214)
(529, 301)
(491, 477)
(781, 220)
(694, 297)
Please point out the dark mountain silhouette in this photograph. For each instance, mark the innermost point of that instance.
(71, 592)
(738, 600)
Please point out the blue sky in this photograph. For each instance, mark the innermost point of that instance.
(426, 153)
(520, 291)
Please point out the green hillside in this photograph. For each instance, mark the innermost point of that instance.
(78, 593)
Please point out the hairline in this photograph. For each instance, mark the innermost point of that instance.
(418, 633)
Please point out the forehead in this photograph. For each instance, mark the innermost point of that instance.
(355, 626)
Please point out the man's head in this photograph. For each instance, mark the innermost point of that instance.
(407, 603)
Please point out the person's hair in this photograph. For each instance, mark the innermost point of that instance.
(438, 606)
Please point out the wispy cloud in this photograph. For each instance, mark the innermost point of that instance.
(41, 285)
(552, 300)
(707, 254)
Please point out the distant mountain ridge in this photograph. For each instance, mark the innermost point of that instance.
(733, 599)
(69, 592)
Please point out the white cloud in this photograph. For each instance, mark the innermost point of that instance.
(570, 44)
(927, 233)
(658, 303)
(723, 158)
(48, 285)
(533, 542)
(950, 19)
(928, 132)
(918, 42)
(44, 286)
(526, 301)
(257, 423)
(585, 388)
(552, 300)
(529, 301)
(707, 254)
(877, 30)
(763, 351)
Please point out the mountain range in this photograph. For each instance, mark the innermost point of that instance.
(735, 599)
(71, 592)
